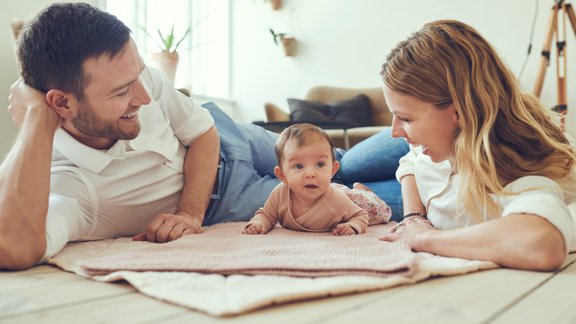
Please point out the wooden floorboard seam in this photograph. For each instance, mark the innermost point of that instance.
(516, 301)
(67, 305)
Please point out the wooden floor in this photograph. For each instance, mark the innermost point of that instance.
(48, 295)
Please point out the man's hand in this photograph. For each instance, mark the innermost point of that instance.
(411, 230)
(254, 228)
(23, 98)
(343, 229)
(169, 227)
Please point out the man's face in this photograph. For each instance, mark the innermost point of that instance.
(112, 97)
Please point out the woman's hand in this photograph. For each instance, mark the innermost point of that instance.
(411, 230)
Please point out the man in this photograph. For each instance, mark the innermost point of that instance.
(108, 148)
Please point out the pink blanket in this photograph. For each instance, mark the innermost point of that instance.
(222, 295)
(222, 249)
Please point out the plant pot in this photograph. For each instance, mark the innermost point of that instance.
(289, 45)
(276, 4)
(167, 62)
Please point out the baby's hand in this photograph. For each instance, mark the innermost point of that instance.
(343, 229)
(254, 228)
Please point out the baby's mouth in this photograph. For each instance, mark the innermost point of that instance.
(310, 186)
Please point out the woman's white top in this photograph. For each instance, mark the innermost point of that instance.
(438, 189)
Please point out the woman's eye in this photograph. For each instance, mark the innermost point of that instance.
(122, 94)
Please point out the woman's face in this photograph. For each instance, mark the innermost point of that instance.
(422, 123)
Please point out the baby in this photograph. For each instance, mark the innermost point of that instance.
(306, 200)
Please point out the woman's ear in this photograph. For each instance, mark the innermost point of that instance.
(61, 102)
(279, 174)
(455, 115)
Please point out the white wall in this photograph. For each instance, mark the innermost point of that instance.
(345, 42)
(341, 43)
(24, 9)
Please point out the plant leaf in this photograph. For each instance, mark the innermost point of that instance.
(274, 36)
(183, 37)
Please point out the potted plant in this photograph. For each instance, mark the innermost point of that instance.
(288, 43)
(276, 4)
(167, 59)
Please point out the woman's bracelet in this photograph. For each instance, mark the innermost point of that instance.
(421, 214)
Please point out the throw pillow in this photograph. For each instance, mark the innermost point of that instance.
(355, 111)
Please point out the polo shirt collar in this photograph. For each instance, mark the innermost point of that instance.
(86, 157)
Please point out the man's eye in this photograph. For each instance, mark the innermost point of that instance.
(320, 164)
(122, 94)
(298, 166)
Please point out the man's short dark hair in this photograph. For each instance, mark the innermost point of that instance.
(53, 46)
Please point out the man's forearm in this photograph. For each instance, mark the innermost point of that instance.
(24, 191)
(200, 167)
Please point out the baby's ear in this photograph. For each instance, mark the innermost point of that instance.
(335, 167)
(279, 174)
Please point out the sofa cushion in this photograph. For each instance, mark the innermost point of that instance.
(355, 111)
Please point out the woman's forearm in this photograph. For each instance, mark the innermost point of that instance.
(410, 197)
(540, 246)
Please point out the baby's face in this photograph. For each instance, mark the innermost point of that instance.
(308, 169)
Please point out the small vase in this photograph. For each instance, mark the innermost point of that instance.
(289, 45)
(276, 4)
(167, 62)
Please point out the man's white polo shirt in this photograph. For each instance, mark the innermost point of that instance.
(104, 194)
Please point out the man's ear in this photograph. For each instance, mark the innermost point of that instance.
(279, 174)
(335, 167)
(61, 102)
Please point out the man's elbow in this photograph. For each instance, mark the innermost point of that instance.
(20, 256)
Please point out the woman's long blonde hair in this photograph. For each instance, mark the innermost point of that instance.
(504, 133)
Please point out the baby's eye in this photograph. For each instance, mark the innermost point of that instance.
(321, 164)
(298, 166)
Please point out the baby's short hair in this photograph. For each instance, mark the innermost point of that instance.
(303, 134)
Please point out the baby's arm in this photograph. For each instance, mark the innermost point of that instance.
(266, 217)
(343, 229)
(356, 223)
(254, 227)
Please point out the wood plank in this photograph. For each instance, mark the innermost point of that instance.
(31, 292)
(132, 308)
(469, 298)
(552, 302)
(32, 278)
(32, 271)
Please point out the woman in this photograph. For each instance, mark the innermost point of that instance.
(489, 175)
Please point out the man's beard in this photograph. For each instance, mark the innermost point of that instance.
(90, 124)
